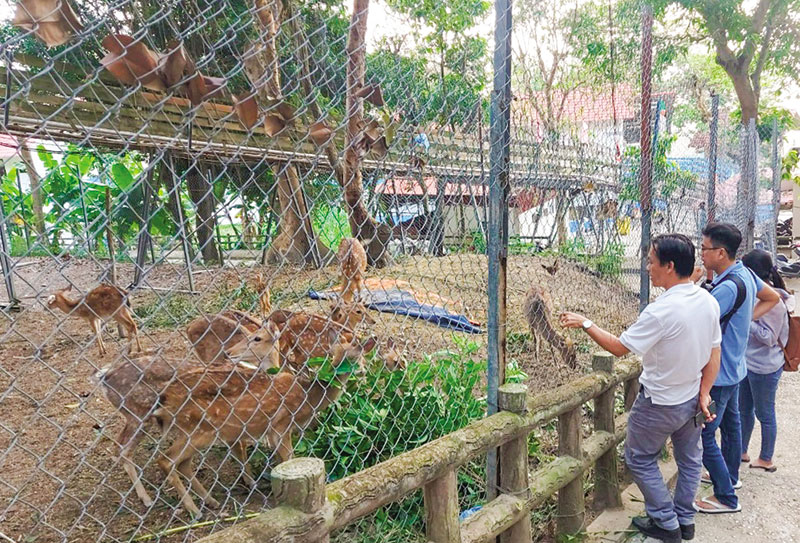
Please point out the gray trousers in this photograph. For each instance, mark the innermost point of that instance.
(649, 426)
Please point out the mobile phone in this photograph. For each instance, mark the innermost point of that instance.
(700, 418)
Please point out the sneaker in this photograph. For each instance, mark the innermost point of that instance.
(648, 527)
(737, 485)
(687, 532)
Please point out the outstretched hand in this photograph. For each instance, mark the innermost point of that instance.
(571, 320)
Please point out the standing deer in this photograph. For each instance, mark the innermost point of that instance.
(102, 302)
(133, 384)
(205, 406)
(264, 302)
(538, 314)
(353, 265)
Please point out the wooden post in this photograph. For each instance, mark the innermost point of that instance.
(514, 462)
(631, 391)
(571, 508)
(441, 509)
(606, 484)
(300, 483)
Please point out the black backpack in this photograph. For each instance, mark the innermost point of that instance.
(741, 295)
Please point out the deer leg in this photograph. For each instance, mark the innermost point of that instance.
(280, 440)
(240, 451)
(179, 452)
(125, 318)
(98, 334)
(185, 468)
(128, 439)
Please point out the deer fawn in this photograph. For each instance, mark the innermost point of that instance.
(101, 302)
(353, 265)
(133, 384)
(209, 405)
(537, 312)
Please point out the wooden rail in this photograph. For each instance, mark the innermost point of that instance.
(309, 510)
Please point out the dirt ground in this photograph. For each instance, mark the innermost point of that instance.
(59, 474)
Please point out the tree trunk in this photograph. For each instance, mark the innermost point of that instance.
(743, 86)
(36, 192)
(374, 236)
(202, 194)
(295, 242)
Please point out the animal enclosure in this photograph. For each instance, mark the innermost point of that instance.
(238, 233)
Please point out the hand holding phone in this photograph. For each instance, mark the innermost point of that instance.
(700, 418)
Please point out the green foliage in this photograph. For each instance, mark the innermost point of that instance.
(668, 178)
(786, 119)
(385, 413)
(789, 165)
(608, 262)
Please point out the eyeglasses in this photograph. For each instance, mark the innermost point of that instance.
(703, 249)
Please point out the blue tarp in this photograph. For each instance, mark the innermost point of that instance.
(402, 302)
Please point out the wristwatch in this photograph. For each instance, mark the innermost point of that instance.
(587, 324)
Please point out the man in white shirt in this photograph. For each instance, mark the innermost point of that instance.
(678, 337)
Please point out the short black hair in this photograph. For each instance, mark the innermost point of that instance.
(675, 248)
(724, 235)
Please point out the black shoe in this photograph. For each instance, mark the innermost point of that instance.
(648, 527)
(687, 532)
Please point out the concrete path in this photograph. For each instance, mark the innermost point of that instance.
(770, 501)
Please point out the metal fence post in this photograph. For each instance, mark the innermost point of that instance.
(498, 218)
(5, 263)
(645, 158)
(776, 189)
(712, 159)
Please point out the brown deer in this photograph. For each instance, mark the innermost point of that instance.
(211, 335)
(353, 265)
(102, 302)
(264, 302)
(351, 314)
(537, 309)
(205, 406)
(133, 384)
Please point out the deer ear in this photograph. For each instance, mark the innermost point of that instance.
(369, 345)
(69, 288)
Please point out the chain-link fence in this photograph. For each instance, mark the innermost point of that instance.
(184, 306)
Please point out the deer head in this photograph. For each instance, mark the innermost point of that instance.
(351, 314)
(57, 300)
(261, 348)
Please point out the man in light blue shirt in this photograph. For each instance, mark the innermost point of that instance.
(742, 297)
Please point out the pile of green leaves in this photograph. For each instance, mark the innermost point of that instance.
(385, 413)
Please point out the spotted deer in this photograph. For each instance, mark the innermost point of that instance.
(202, 407)
(102, 302)
(353, 266)
(133, 384)
(537, 310)
(264, 302)
(211, 335)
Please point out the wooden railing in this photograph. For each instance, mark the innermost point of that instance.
(309, 510)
